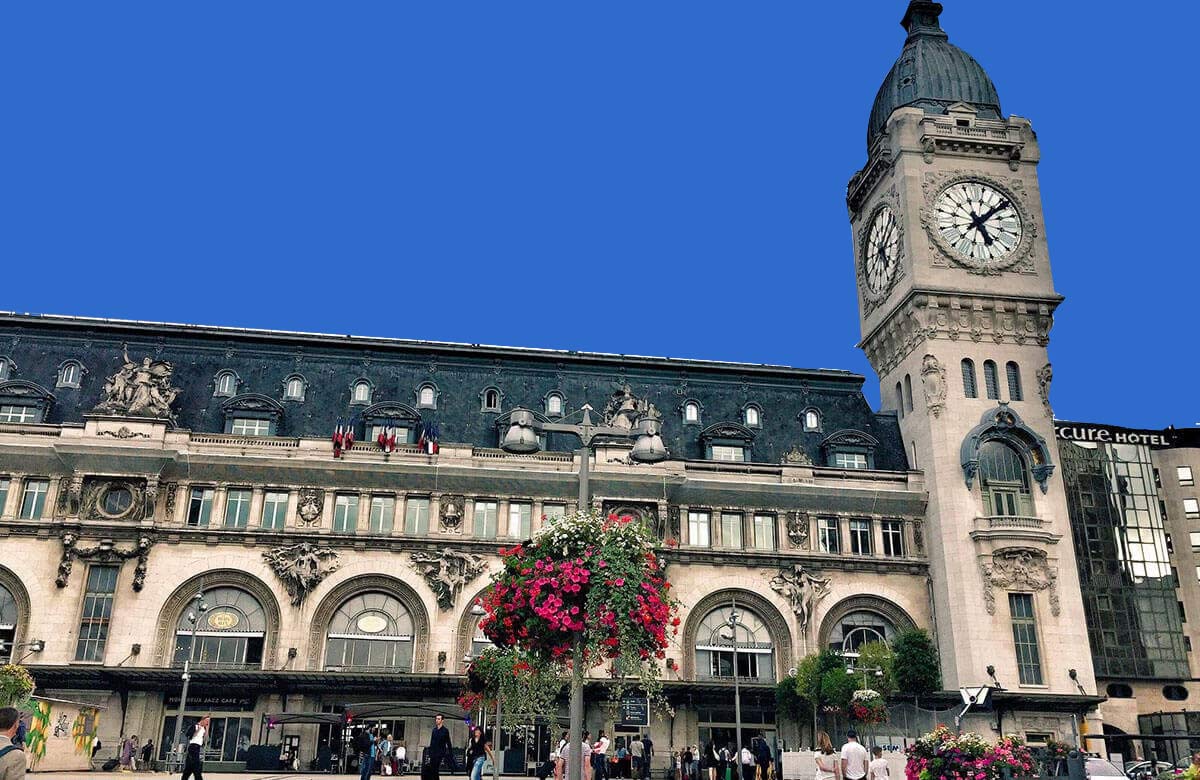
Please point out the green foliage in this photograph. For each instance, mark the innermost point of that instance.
(837, 687)
(808, 679)
(789, 701)
(525, 685)
(877, 655)
(15, 685)
(917, 670)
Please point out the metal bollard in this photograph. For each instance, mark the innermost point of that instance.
(1075, 761)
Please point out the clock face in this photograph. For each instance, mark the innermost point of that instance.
(882, 251)
(978, 221)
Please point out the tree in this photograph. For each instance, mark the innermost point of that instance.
(917, 670)
(878, 655)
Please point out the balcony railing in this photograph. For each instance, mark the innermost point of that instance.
(1015, 521)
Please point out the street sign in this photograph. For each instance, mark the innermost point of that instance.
(634, 711)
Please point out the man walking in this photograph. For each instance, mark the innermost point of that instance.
(637, 756)
(855, 759)
(600, 757)
(12, 757)
(193, 764)
(439, 750)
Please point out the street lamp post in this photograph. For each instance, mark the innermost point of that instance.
(737, 693)
(193, 616)
(648, 447)
(876, 670)
(478, 611)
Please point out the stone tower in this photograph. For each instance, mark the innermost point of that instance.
(956, 303)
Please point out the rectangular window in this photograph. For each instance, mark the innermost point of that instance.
(860, 537)
(849, 460)
(374, 431)
(200, 506)
(246, 426)
(486, 515)
(4, 484)
(33, 500)
(416, 516)
(97, 613)
(893, 537)
(383, 509)
(731, 530)
(1182, 613)
(764, 532)
(728, 454)
(554, 510)
(1184, 474)
(520, 520)
(991, 382)
(274, 513)
(1195, 535)
(829, 537)
(1191, 508)
(1024, 627)
(698, 529)
(237, 508)
(11, 413)
(345, 513)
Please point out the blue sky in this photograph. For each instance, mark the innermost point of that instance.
(660, 178)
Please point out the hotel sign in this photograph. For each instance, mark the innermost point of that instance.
(1112, 434)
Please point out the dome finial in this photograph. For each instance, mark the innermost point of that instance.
(921, 18)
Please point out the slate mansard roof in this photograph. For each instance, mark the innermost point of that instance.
(37, 346)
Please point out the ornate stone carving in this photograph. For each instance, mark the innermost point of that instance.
(919, 535)
(310, 505)
(103, 552)
(802, 589)
(933, 378)
(452, 512)
(448, 572)
(172, 488)
(797, 457)
(1045, 375)
(124, 433)
(797, 529)
(1005, 424)
(93, 503)
(140, 390)
(1020, 258)
(624, 409)
(301, 567)
(1021, 568)
(673, 522)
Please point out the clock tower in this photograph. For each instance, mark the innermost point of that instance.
(956, 303)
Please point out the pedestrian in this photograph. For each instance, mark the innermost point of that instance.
(401, 758)
(855, 759)
(648, 757)
(879, 765)
(713, 758)
(364, 746)
(384, 754)
(726, 761)
(126, 756)
(559, 759)
(193, 762)
(637, 753)
(600, 757)
(585, 751)
(439, 750)
(685, 763)
(827, 761)
(147, 753)
(746, 759)
(694, 764)
(12, 755)
(479, 751)
(762, 756)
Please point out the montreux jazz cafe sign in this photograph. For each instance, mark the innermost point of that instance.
(1111, 434)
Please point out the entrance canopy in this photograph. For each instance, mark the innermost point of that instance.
(372, 710)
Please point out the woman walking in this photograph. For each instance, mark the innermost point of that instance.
(712, 759)
(558, 757)
(828, 762)
(479, 751)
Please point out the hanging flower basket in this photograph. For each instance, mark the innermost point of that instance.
(867, 706)
(944, 755)
(16, 685)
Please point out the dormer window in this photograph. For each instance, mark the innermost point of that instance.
(554, 405)
(850, 449)
(293, 388)
(226, 384)
(810, 420)
(752, 416)
(727, 442)
(69, 374)
(252, 415)
(691, 412)
(19, 413)
(490, 400)
(427, 396)
(361, 392)
(5, 369)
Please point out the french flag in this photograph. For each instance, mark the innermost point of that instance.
(339, 438)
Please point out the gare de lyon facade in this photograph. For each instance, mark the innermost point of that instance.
(143, 464)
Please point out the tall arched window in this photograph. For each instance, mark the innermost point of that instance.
(908, 402)
(717, 646)
(230, 633)
(811, 419)
(991, 381)
(5, 368)
(370, 631)
(491, 400)
(226, 384)
(427, 396)
(857, 629)
(70, 373)
(970, 388)
(554, 405)
(899, 400)
(293, 388)
(1014, 381)
(362, 392)
(8, 624)
(1004, 480)
(752, 417)
(691, 413)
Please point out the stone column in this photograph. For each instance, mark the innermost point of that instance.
(685, 532)
(502, 518)
(16, 485)
(50, 508)
(183, 497)
(435, 514)
(325, 525)
(256, 508)
(877, 536)
(217, 518)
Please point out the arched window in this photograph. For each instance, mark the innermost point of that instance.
(691, 413)
(811, 420)
(230, 633)
(293, 388)
(479, 640)
(70, 373)
(857, 629)
(427, 396)
(554, 405)
(752, 416)
(1014, 381)
(8, 624)
(370, 631)
(490, 400)
(899, 401)
(970, 388)
(362, 392)
(991, 381)
(718, 647)
(5, 368)
(908, 402)
(226, 383)
(1004, 480)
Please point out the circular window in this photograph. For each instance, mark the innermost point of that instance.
(371, 623)
(116, 501)
(1119, 691)
(1175, 692)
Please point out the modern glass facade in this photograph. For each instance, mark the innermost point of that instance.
(1128, 590)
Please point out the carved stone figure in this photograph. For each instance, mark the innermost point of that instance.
(172, 487)
(622, 409)
(673, 523)
(140, 390)
(797, 529)
(311, 503)
(1045, 375)
(104, 552)
(933, 377)
(448, 573)
(919, 535)
(802, 589)
(1019, 568)
(452, 512)
(797, 457)
(301, 567)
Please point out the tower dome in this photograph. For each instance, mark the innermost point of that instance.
(931, 73)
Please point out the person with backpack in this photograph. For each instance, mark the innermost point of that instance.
(193, 762)
(12, 757)
(364, 745)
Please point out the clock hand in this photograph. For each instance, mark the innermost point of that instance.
(977, 221)
(987, 238)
